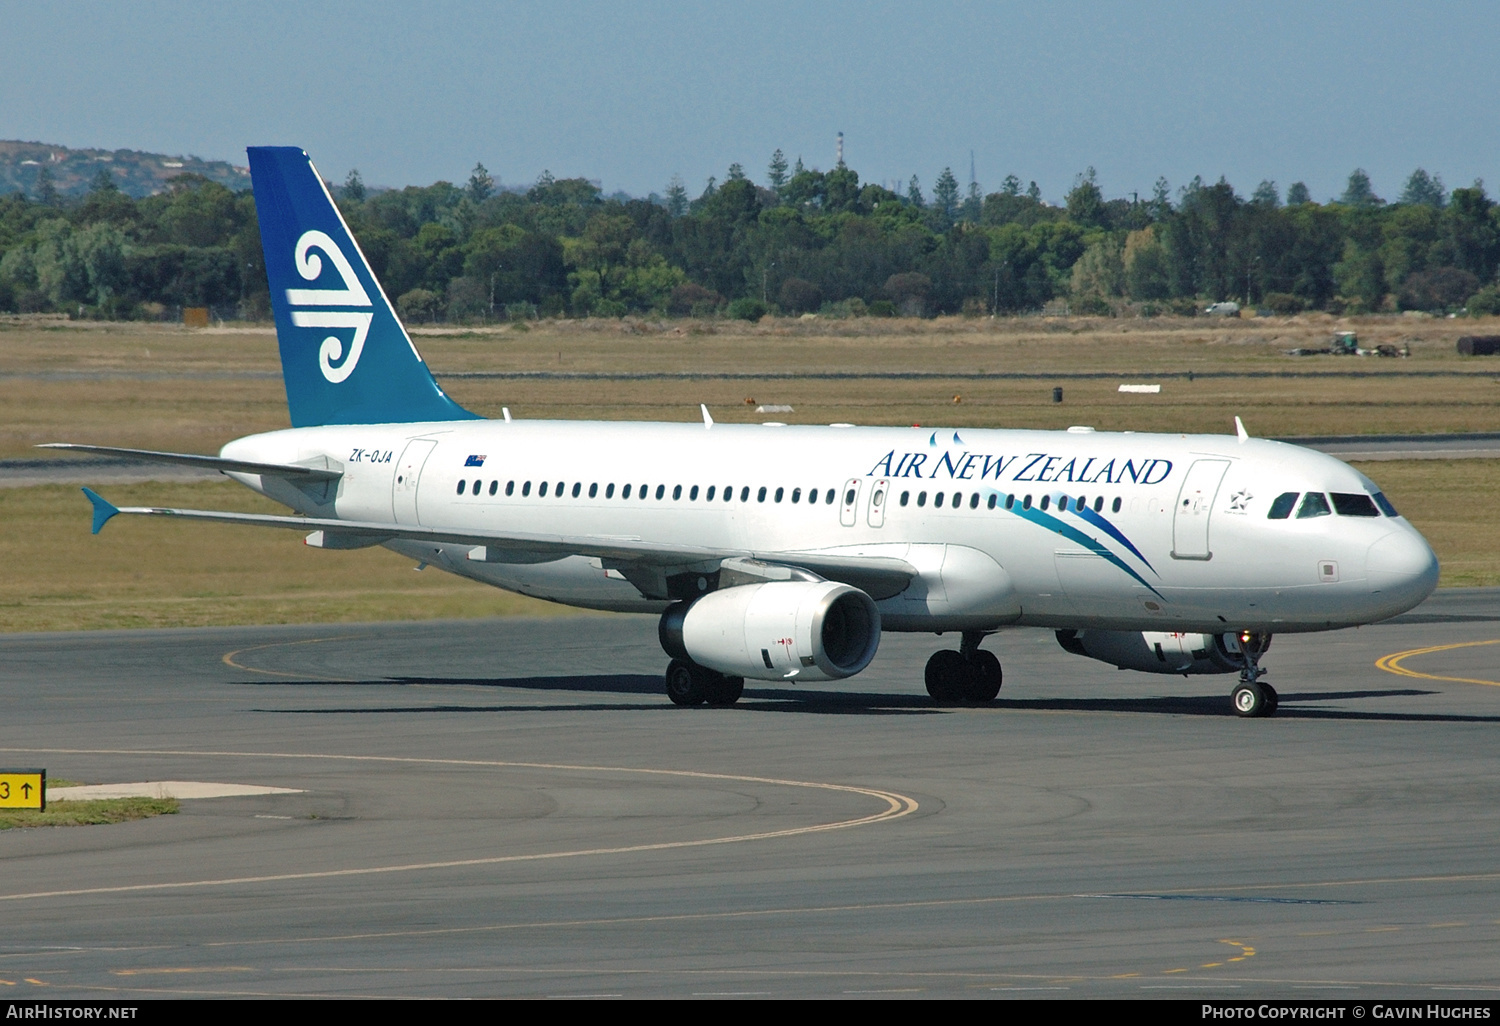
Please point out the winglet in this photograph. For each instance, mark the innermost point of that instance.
(708, 421)
(1239, 429)
(103, 509)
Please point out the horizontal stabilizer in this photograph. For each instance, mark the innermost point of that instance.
(290, 471)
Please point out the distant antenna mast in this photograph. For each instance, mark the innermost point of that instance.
(840, 162)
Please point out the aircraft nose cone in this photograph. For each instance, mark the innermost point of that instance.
(1402, 570)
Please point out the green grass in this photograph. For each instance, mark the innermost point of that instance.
(89, 813)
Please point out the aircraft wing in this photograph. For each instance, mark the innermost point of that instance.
(881, 576)
(291, 471)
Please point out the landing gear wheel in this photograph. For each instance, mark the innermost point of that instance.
(1272, 700)
(724, 690)
(984, 677)
(685, 683)
(1251, 699)
(947, 674)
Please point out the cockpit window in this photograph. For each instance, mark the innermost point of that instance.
(1314, 504)
(1385, 505)
(1354, 504)
(1282, 507)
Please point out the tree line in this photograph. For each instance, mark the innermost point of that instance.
(804, 241)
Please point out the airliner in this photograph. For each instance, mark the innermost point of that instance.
(782, 553)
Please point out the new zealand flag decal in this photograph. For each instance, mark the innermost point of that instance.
(474, 461)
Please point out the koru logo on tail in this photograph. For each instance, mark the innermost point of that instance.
(353, 294)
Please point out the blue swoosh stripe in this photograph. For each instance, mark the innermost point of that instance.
(1055, 525)
(1114, 532)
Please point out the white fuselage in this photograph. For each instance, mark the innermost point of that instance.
(1174, 533)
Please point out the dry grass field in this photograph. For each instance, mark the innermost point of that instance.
(170, 388)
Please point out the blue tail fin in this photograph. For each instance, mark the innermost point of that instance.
(345, 357)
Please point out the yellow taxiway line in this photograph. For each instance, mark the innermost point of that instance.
(1392, 663)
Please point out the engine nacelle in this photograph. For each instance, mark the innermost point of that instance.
(1154, 652)
(807, 630)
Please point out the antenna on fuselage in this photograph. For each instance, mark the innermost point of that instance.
(1239, 429)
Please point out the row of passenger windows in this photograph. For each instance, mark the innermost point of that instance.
(955, 500)
(1345, 504)
(644, 491)
(1064, 503)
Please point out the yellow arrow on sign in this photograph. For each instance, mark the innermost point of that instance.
(23, 789)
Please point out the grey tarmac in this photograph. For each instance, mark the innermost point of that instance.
(513, 808)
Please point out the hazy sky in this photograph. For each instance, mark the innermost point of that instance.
(632, 93)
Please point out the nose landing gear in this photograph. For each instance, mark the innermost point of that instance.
(1252, 696)
(968, 675)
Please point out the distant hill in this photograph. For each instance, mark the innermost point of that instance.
(135, 173)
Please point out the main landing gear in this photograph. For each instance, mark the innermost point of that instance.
(691, 684)
(1253, 696)
(968, 675)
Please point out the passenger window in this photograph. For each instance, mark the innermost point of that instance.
(1010, 502)
(609, 490)
(461, 486)
(625, 493)
(745, 494)
(937, 500)
(796, 494)
(693, 495)
(812, 496)
(921, 498)
(593, 490)
(541, 490)
(1098, 503)
(974, 501)
(760, 496)
(577, 487)
(494, 487)
(1313, 505)
(526, 489)
(779, 493)
(1115, 506)
(1354, 504)
(1081, 504)
(1385, 505)
(1026, 502)
(992, 501)
(1281, 506)
(1046, 499)
(661, 490)
(676, 492)
(905, 498)
(475, 489)
(510, 488)
(559, 490)
(708, 496)
(829, 497)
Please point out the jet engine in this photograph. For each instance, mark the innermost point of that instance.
(803, 630)
(1154, 652)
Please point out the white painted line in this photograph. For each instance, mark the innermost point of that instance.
(162, 789)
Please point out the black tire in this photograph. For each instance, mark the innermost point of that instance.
(1250, 700)
(947, 672)
(685, 683)
(725, 690)
(984, 678)
(1272, 700)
